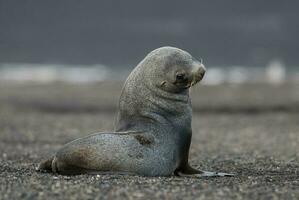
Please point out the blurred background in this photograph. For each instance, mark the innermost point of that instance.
(86, 41)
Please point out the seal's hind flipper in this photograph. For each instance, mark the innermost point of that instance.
(45, 165)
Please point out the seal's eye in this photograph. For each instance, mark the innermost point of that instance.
(180, 76)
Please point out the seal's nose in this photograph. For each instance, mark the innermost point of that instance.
(202, 70)
(198, 72)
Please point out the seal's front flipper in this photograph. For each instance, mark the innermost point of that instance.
(213, 174)
(205, 174)
(188, 171)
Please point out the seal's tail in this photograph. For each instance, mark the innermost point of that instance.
(45, 165)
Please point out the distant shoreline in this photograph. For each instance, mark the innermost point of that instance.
(274, 73)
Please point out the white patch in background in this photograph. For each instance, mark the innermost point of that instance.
(214, 76)
(237, 75)
(233, 75)
(276, 72)
(84, 75)
(51, 73)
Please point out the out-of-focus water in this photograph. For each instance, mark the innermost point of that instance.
(275, 73)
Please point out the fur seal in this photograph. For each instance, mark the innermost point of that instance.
(152, 133)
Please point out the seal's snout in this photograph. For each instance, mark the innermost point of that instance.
(198, 72)
(201, 71)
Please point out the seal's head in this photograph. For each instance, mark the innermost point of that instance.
(173, 69)
(158, 89)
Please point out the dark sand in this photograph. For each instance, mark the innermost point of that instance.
(251, 130)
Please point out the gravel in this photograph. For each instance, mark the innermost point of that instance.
(250, 130)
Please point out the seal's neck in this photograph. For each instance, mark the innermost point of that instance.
(159, 93)
(142, 106)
